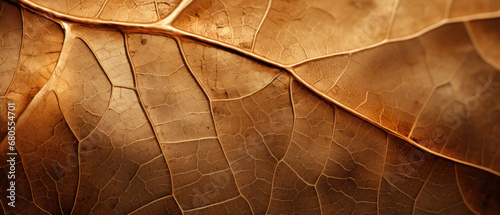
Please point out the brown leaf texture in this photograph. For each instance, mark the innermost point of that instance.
(250, 107)
(30, 50)
(116, 10)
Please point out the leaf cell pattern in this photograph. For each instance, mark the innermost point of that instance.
(251, 107)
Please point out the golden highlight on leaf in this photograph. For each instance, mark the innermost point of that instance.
(232, 21)
(83, 88)
(298, 30)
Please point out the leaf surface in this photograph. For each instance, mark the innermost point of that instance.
(251, 107)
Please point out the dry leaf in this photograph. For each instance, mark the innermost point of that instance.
(251, 107)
